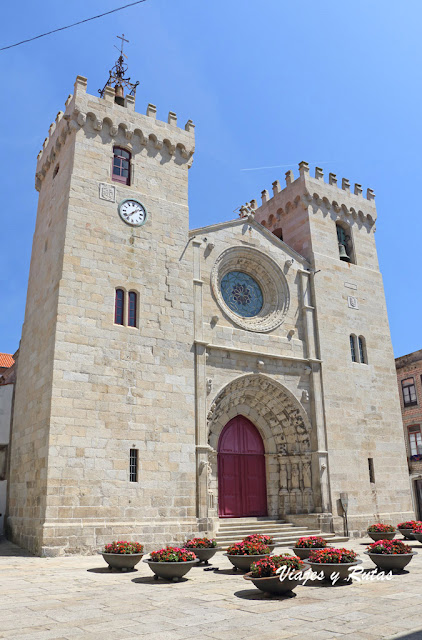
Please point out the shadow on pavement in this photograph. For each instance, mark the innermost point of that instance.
(107, 570)
(327, 583)
(412, 635)
(150, 580)
(255, 594)
(9, 549)
(228, 572)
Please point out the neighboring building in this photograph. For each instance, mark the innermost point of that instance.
(7, 381)
(6, 361)
(169, 378)
(409, 378)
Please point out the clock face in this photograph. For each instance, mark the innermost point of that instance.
(132, 212)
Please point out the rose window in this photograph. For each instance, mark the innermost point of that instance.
(242, 294)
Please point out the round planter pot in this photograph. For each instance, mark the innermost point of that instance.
(273, 584)
(375, 535)
(205, 554)
(417, 536)
(342, 568)
(407, 533)
(394, 562)
(171, 570)
(122, 561)
(243, 563)
(303, 554)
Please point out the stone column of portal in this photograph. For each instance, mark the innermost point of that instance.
(320, 477)
(201, 441)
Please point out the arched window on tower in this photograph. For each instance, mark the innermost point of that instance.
(132, 309)
(121, 165)
(362, 350)
(344, 240)
(119, 304)
(278, 233)
(353, 350)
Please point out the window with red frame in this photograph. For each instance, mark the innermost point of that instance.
(409, 392)
(119, 304)
(132, 311)
(415, 440)
(121, 165)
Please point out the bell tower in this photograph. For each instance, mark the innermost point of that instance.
(355, 402)
(105, 395)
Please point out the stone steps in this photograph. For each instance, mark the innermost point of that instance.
(284, 533)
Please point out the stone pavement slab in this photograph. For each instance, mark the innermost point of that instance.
(77, 598)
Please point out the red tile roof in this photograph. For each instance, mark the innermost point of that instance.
(6, 360)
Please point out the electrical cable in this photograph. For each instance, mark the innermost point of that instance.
(101, 15)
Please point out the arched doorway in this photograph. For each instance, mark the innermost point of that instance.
(242, 487)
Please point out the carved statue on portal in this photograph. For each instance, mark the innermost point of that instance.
(307, 475)
(295, 475)
(283, 477)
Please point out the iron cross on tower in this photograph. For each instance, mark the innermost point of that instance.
(123, 39)
(117, 78)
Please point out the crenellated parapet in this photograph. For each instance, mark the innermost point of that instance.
(306, 191)
(103, 115)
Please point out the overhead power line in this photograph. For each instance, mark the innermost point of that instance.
(69, 26)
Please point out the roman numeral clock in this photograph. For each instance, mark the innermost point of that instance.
(132, 212)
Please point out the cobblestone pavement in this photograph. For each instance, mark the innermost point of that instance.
(78, 598)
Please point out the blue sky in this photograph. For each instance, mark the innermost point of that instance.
(266, 83)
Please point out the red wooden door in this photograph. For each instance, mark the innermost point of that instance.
(242, 487)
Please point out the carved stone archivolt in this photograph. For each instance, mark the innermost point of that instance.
(285, 429)
(271, 279)
(274, 410)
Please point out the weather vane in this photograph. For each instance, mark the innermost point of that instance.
(117, 75)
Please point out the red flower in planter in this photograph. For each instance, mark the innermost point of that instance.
(123, 547)
(409, 524)
(379, 527)
(389, 547)
(332, 556)
(200, 543)
(172, 554)
(267, 567)
(248, 549)
(311, 542)
(259, 537)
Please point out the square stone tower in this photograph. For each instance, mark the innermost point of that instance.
(105, 394)
(356, 397)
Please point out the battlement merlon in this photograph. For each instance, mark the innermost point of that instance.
(306, 191)
(83, 109)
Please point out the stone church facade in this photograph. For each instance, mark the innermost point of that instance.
(169, 378)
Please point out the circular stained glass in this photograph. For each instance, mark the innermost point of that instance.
(242, 294)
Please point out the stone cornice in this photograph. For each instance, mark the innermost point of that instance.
(263, 354)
